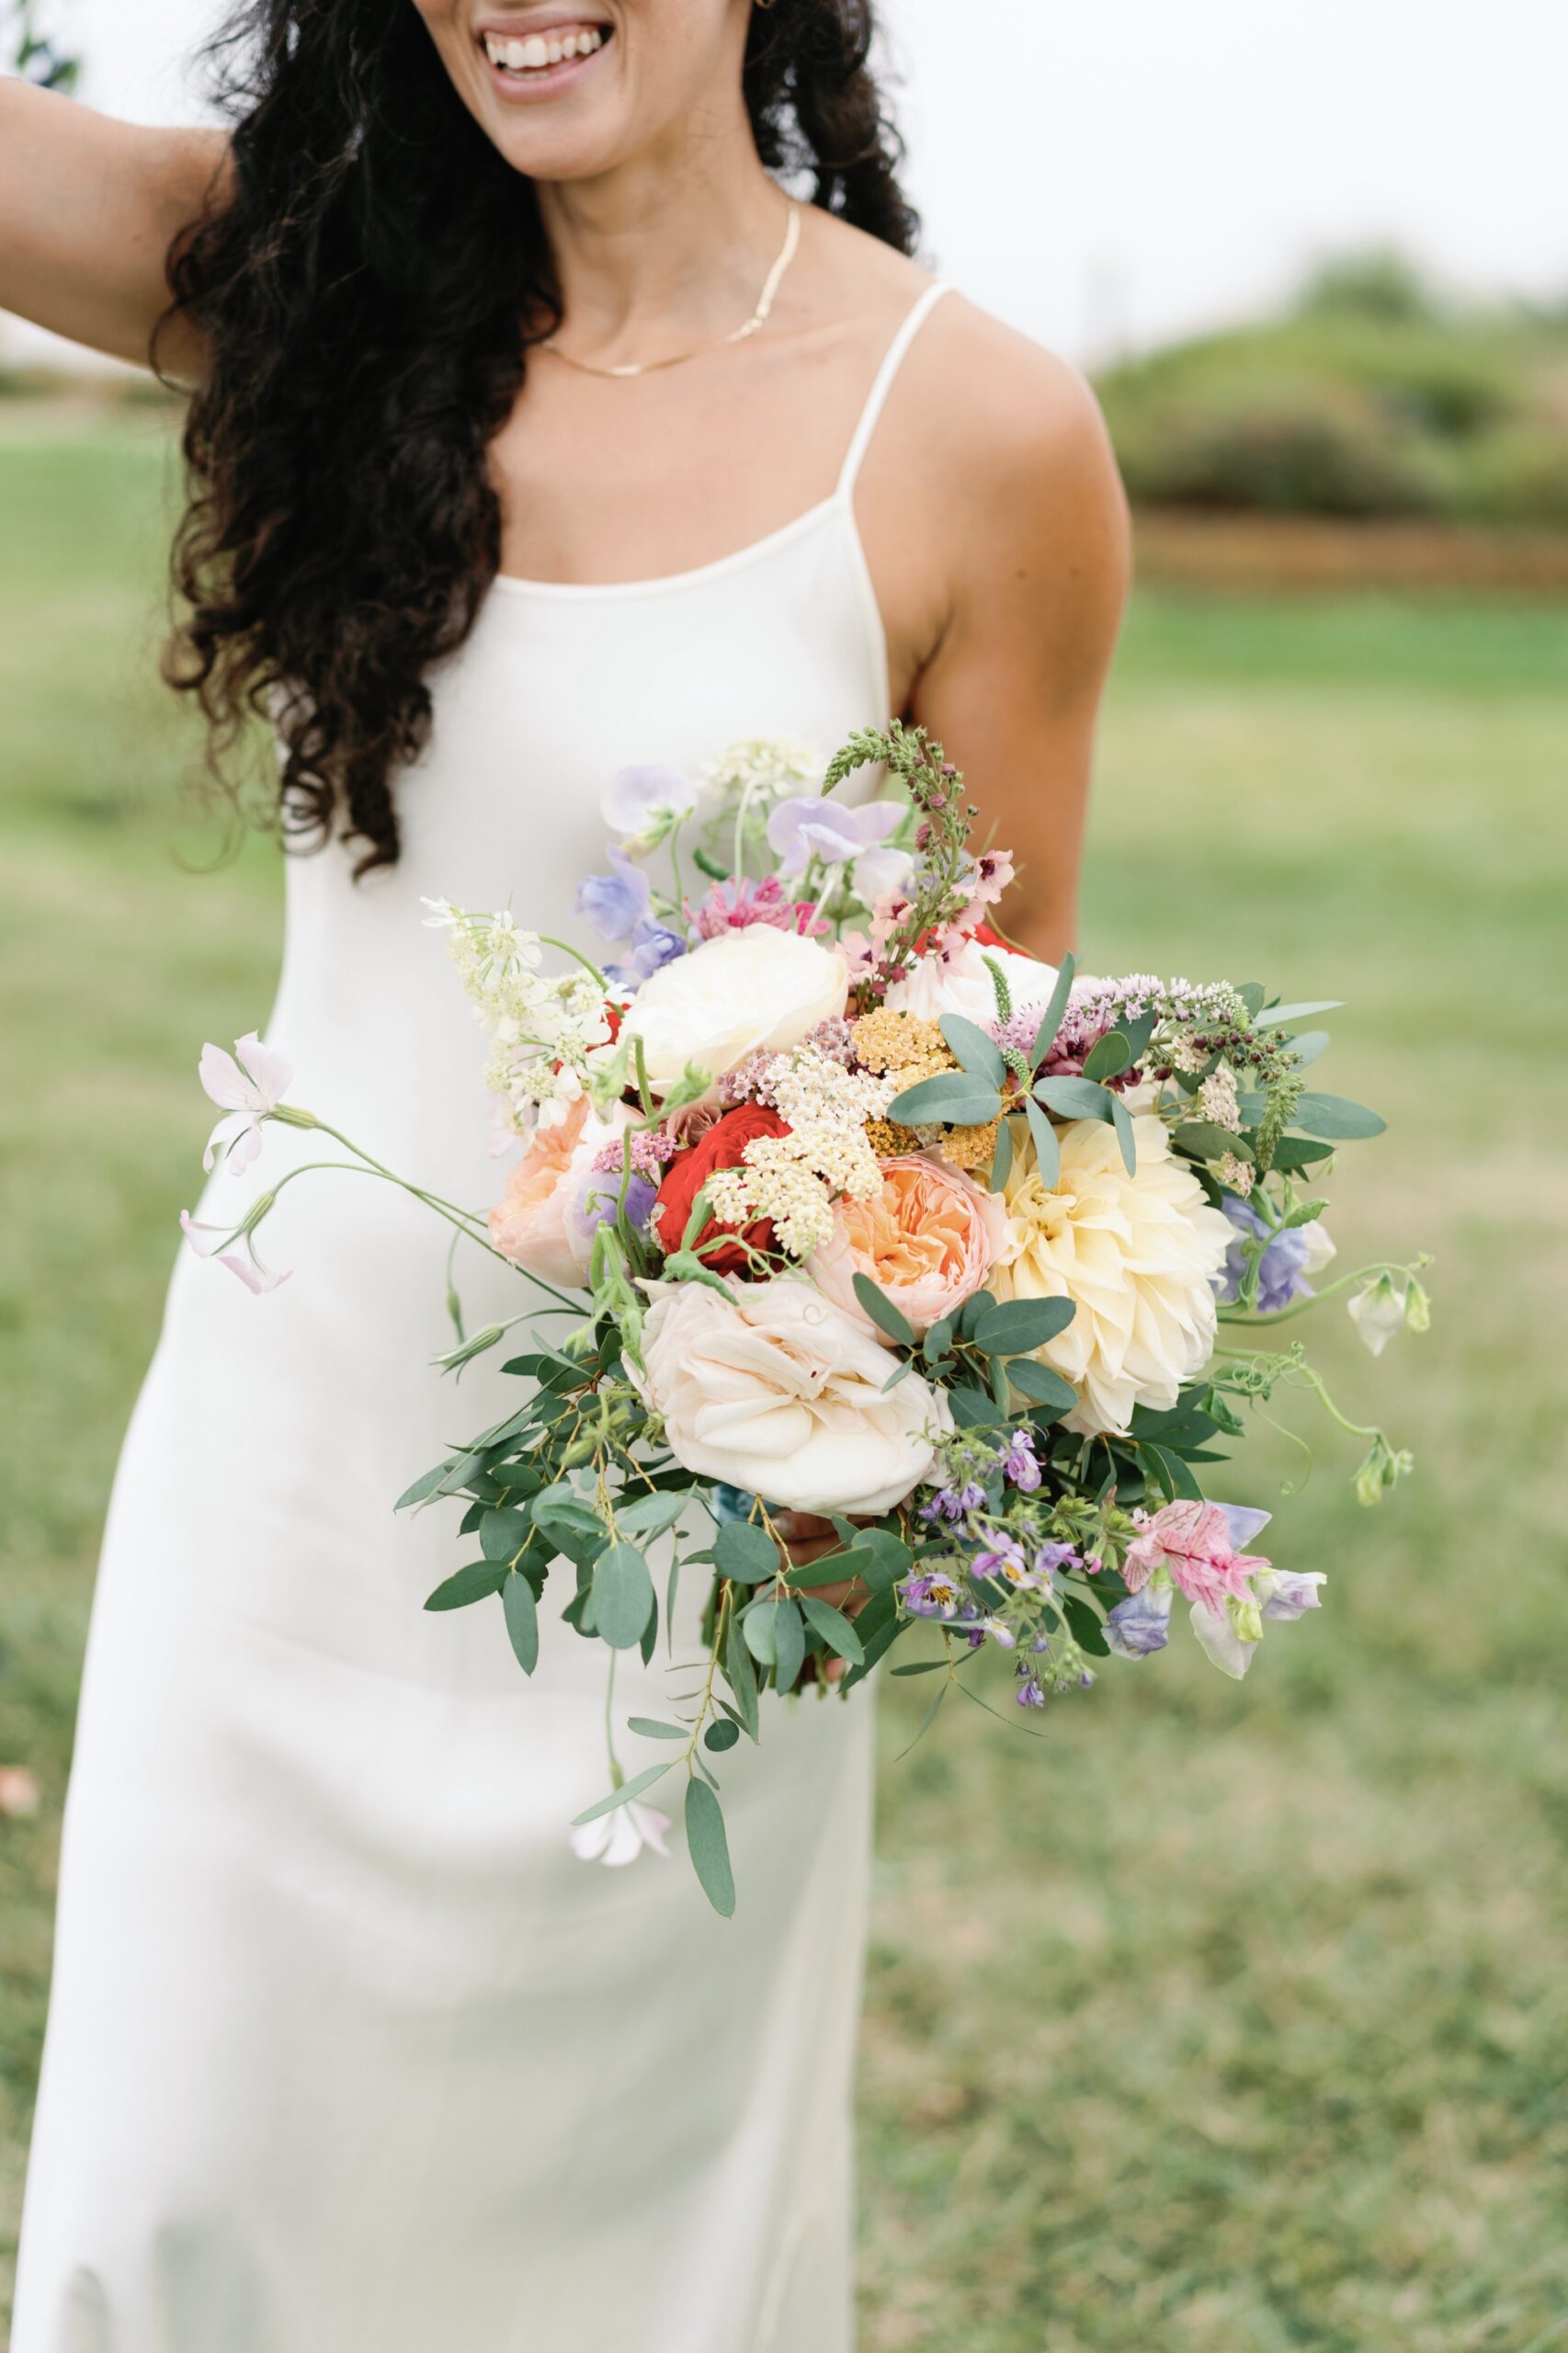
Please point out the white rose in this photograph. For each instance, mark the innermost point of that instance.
(747, 992)
(963, 983)
(775, 1391)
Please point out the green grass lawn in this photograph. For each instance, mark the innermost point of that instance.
(1220, 2019)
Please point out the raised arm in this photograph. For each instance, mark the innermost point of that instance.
(88, 208)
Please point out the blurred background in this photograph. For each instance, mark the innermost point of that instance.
(1223, 2019)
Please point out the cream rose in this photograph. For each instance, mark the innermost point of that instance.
(1137, 1254)
(532, 1225)
(775, 1391)
(926, 1240)
(747, 992)
(963, 983)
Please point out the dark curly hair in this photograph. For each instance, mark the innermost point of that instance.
(365, 291)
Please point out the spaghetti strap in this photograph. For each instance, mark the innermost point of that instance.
(876, 399)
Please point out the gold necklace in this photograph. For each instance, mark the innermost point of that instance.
(757, 320)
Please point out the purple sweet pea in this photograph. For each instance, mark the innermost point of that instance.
(945, 1505)
(1018, 1462)
(1030, 1692)
(1007, 1564)
(1288, 1592)
(615, 904)
(811, 827)
(935, 1595)
(1140, 1624)
(1290, 1259)
(596, 1204)
(651, 947)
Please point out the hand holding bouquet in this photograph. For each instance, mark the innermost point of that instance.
(874, 1218)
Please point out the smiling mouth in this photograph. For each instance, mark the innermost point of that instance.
(530, 58)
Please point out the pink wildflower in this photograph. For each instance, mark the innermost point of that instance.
(738, 902)
(1193, 1541)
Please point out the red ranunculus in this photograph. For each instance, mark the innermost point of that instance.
(723, 1146)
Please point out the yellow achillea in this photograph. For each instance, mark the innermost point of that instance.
(902, 1043)
(969, 1148)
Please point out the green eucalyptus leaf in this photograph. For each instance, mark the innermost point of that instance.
(788, 1645)
(1019, 1325)
(1051, 1020)
(952, 1095)
(1206, 1142)
(623, 1596)
(747, 1555)
(978, 1054)
(1002, 1159)
(522, 1621)
(504, 1534)
(708, 1848)
(835, 1628)
(650, 1516)
(1121, 1120)
(883, 1312)
(1074, 1098)
(624, 1795)
(650, 1728)
(1109, 1057)
(1335, 1120)
(1047, 1151)
(1294, 1156)
(422, 1489)
(1280, 1016)
(472, 1584)
(1040, 1386)
(721, 1736)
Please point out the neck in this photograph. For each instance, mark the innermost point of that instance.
(664, 248)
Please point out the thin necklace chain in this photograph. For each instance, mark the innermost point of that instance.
(754, 325)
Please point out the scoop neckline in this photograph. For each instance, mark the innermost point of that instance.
(517, 584)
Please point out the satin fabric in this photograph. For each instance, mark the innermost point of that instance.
(347, 2052)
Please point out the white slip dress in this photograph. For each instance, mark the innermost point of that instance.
(347, 2052)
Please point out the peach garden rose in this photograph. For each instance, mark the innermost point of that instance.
(927, 1240)
(532, 1225)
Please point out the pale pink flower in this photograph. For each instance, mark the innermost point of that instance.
(19, 1793)
(735, 905)
(618, 1837)
(250, 1270)
(247, 1084)
(989, 879)
(1193, 1541)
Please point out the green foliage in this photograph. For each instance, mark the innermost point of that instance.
(1371, 398)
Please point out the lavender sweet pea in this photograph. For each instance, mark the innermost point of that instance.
(799, 831)
(615, 904)
(1289, 1259)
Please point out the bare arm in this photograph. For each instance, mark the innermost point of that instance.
(88, 208)
(1036, 540)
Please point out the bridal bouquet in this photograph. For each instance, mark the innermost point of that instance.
(848, 1210)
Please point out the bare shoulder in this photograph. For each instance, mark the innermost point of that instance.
(1016, 430)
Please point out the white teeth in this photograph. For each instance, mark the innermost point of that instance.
(536, 53)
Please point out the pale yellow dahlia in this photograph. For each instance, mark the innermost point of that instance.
(1135, 1253)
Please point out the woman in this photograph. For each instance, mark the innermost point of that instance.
(535, 430)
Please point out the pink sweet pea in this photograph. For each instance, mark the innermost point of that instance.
(251, 1271)
(246, 1084)
(1196, 1543)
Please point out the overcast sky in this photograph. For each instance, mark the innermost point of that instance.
(1105, 173)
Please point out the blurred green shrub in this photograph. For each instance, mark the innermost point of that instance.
(1369, 398)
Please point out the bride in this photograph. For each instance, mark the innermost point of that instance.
(564, 395)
